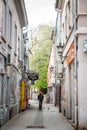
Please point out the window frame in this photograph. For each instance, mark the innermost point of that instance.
(15, 38)
(10, 27)
(4, 19)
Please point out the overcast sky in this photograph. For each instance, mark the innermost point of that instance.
(40, 12)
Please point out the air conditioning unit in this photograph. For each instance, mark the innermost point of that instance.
(21, 63)
(8, 58)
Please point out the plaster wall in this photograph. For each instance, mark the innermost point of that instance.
(82, 82)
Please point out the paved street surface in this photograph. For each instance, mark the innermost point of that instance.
(33, 119)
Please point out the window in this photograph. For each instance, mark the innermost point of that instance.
(68, 6)
(7, 93)
(19, 47)
(10, 27)
(72, 12)
(1, 89)
(15, 38)
(68, 15)
(65, 25)
(4, 19)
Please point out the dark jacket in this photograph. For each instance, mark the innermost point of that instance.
(40, 97)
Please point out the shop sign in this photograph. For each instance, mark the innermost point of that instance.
(33, 76)
(23, 84)
(70, 54)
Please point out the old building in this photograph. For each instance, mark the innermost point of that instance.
(12, 19)
(74, 57)
(51, 73)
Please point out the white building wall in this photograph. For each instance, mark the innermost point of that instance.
(11, 74)
(15, 20)
(82, 82)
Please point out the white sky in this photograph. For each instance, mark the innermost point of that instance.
(40, 12)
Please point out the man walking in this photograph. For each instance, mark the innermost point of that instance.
(40, 98)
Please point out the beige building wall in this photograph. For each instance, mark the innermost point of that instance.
(82, 63)
(68, 96)
(51, 75)
(70, 91)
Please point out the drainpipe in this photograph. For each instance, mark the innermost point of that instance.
(75, 63)
(56, 62)
(57, 43)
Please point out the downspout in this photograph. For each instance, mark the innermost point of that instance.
(56, 61)
(60, 108)
(58, 42)
(75, 63)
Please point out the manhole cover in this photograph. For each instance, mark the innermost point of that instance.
(35, 127)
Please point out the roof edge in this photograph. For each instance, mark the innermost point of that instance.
(20, 6)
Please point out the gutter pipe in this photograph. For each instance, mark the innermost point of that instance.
(75, 63)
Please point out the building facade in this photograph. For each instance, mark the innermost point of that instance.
(51, 74)
(74, 57)
(12, 19)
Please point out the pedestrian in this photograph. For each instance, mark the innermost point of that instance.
(40, 99)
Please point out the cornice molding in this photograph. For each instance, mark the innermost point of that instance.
(20, 6)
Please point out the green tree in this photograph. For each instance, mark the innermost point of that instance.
(41, 49)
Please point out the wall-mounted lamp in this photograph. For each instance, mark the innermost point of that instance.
(51, 68)
(60, 49)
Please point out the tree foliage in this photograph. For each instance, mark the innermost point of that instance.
(41, 49)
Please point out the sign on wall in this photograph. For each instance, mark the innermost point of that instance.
(85, 45)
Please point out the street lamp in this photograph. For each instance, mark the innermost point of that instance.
(60, 49)
(52, 68)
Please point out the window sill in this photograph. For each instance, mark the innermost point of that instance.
(15, 53)
(3, 38)
(9, 45)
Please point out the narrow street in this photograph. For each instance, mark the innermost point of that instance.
(33, 119)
